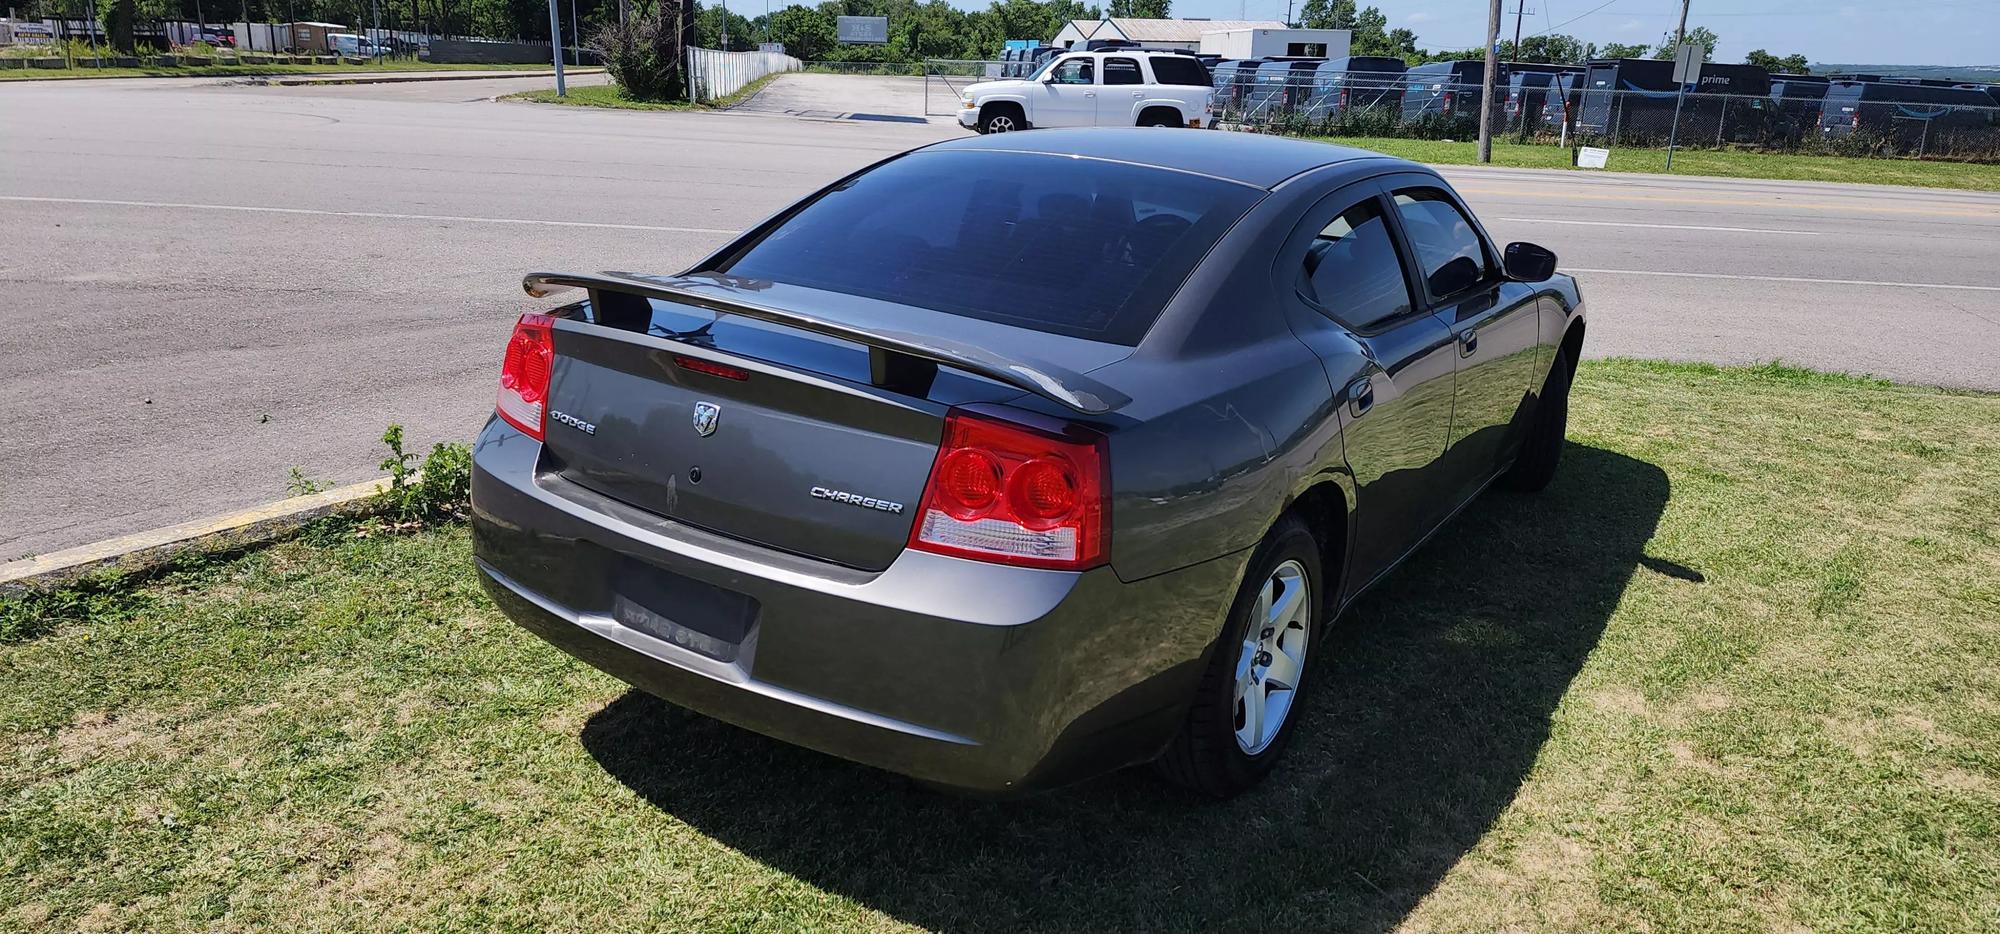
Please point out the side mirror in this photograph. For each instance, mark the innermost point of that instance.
(1456, 276)
(1526, 262)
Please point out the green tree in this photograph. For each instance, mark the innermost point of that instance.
(1555, 49)
(1790, 64)
(1141, 9)
(1700, 35)
(1327, 14)
(807, 33)
(1620, 50)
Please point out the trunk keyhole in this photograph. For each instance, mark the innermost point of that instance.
(694, 474)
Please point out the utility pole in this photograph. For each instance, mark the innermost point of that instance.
(555, 45)
(1488, 81)
(1681, 31)
(575, 37)
(1520, 7)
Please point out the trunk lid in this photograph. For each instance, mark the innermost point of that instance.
(801, 453)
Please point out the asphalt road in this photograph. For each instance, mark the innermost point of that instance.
(210, 284)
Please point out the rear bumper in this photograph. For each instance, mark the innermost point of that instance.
(988, 678)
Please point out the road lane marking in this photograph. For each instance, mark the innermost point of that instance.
(1807, 279)
(375, 215)
(1761, 230)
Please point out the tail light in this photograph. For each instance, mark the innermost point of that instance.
(1013, 494)
(1447, 103)
(524, 375)
(1343, 98)
(1855, 122)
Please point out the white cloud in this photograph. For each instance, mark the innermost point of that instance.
(1630, 25)
(1418, 17)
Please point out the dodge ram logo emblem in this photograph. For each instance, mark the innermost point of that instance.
(706, 414)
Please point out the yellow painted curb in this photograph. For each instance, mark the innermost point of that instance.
(143, 550)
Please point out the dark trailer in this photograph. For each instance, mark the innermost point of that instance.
(1231, 79)
(1356, 82)
(1443, 89)
(1910, 117)
(1795, 105)
(1633, 100)
(1279, 86)
(1529, 92)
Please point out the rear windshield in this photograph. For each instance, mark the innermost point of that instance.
(1078, 247)
(1179, 69)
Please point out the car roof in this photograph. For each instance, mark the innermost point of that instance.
(1249, 158)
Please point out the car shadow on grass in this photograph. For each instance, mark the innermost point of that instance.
(1432, 710)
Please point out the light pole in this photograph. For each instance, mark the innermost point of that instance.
(555, 45)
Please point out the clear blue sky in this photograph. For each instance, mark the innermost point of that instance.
(1902, 32)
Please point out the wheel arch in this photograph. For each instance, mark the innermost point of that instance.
(1324, 508)
(1171, 112)
(1007, 104)
(1571, 348)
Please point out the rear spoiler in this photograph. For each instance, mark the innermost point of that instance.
(894, 358)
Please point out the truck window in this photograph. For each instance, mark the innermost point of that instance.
(1122, 71)
(1179, 69)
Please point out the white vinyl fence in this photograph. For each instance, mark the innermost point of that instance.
(713, 75)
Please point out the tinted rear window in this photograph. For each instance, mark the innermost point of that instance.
(1077, 247)
(1178, 69)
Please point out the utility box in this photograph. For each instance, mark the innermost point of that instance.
(1272, 43)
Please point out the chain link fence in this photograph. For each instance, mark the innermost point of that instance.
(1859, 120)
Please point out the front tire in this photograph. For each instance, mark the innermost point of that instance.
(1246, 707)
(1541, 453)
(1001, 120)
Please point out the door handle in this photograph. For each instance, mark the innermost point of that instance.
(1090, 93)
(1137, 94)
(1360, 396)
(1468, 343)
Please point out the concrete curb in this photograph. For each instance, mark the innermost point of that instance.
(143, 551)
(299, 80)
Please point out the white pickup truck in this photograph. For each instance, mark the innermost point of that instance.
(1109, 87)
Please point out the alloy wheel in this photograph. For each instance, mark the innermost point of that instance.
(1274, 657)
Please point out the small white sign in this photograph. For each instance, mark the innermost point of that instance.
(1687, 63)
(1591, 157)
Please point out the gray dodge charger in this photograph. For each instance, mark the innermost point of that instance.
(1012, 460)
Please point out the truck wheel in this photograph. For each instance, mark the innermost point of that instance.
(1247, 704)
(1001, 120)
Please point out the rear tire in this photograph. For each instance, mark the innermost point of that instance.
(1541, 453)
(1218, 753)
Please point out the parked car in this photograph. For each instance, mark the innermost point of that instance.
(1006, 462)
(1120, 87)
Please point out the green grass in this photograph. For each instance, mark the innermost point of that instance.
(191, 71)
(609, 96)
(1738, 669)
(1725, 163)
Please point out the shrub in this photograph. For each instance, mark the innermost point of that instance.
(440, 489)
(643, 54)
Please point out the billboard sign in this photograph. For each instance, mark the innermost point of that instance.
(862, 30)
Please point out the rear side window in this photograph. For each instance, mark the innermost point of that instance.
(1122, 71)
(1440, 233)
(1078, 247)
(1179, 69)
(1351, 269)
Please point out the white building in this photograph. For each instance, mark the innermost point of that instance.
(1263, 43)
(1161, 33)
